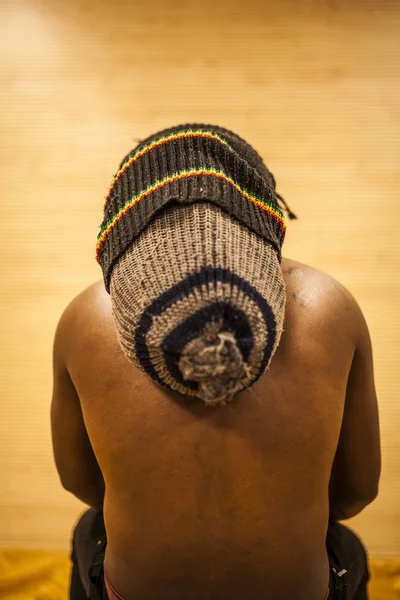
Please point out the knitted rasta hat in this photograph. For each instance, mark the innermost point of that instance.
(190, 247)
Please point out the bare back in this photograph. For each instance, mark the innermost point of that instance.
(228, 502)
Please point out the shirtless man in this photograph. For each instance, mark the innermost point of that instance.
(215, 401)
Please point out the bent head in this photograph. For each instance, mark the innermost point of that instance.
(192, 262)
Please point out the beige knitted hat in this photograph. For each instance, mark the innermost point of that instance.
(198, 300)
(190, 248)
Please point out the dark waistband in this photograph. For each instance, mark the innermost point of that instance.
(112, 594)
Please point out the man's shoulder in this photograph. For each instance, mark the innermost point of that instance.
(319, 292)
(89, 309)
(295, 270)
(297, 274)
(92, 298)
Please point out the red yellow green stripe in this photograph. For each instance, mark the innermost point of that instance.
(270, 208)
(168, 138)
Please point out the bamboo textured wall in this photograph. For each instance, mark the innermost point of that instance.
(312, 84)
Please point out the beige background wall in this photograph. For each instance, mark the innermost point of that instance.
(313, 85)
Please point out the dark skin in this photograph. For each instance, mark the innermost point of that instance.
(230, 502)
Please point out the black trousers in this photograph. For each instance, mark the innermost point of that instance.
(349, 573)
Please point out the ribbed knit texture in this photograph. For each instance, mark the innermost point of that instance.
(198, 280)
(190, 248)
(187, 164)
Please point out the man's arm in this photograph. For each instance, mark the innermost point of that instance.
(357, 464)
(76, 463)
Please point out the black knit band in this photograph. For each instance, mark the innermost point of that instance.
(183, 165)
